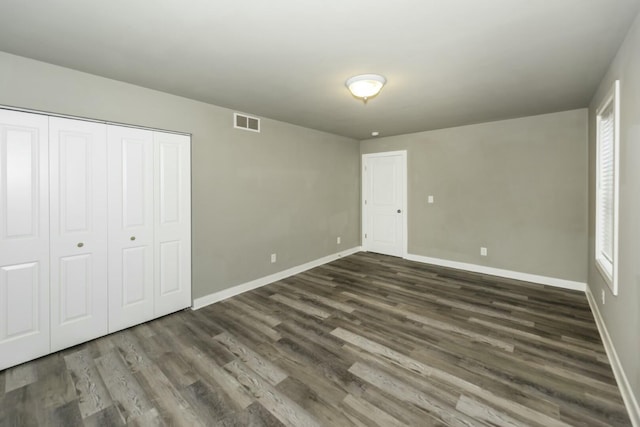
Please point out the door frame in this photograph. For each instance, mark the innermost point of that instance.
(364, 208)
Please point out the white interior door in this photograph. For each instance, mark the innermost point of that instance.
(130, 182)
(78, 197)
(172, 222)
(384, 203)
(24, 237)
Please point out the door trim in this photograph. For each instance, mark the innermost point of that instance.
(363, 182)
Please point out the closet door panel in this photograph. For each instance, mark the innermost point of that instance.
(169, 268)
(134, 280)
(130, 176)
(24, 237)
(76, 294)
(172, 222)
(78, 169)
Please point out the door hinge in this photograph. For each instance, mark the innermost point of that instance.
(365, 202)
(365, 235)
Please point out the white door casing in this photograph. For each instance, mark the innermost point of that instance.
(172, 221)
(78, 201)
(24, 237)
(384, 203)
(131, 240)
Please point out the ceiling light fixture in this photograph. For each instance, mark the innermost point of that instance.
(365, 86)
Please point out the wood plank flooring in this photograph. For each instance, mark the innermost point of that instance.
(365, 340)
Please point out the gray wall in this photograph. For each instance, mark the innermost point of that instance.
(621, 314)
(517, 187)
(288, 190)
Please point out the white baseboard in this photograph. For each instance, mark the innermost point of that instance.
(245, 287)
(526, 277)
(630, 400)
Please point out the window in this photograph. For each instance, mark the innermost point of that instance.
(607, 160)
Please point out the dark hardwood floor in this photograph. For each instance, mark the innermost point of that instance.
(365, 340)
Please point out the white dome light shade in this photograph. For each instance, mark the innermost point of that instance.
(365, 85)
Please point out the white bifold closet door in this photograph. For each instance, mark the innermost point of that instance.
(78, 202)
(149, 224)
(172, 226)
(131, 219)
(24, 237)
(95, 230)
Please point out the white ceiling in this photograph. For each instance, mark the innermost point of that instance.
(447, 62)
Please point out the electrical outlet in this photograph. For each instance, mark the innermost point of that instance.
(603, 297)
(338, 240)
(483, 251)
(273, 258)
(430, 199)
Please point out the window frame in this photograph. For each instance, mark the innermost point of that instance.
(608, 269)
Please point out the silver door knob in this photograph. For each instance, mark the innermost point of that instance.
(80, 244)
(133, 237)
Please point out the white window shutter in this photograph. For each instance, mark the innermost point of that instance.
(607, 186)
(607, 181)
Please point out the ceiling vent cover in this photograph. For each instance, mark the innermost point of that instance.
(241, 121)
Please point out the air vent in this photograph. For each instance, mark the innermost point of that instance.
(240, 121)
